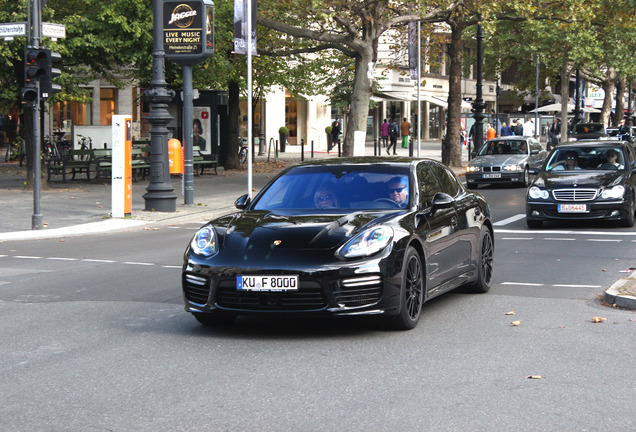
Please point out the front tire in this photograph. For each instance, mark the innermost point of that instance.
(628, 222)
(485, 262)
(411, 292)
(526, 178)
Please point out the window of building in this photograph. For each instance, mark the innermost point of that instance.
(70, 113)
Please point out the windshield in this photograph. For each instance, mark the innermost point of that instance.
(510, 147)
(333, 188)
(586, 158)
(588, 128)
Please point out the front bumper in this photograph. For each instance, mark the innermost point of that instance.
(609, 210)
(503, 177)
(361, 287)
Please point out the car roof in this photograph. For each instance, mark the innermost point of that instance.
(592, 144)
(510, 138)
(365, 160)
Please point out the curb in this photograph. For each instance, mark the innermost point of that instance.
(614, 298)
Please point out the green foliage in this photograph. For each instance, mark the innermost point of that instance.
(283, 130)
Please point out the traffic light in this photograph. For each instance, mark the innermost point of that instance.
(29, 95)
(39, 67)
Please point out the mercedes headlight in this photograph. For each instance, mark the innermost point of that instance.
(536, 193)
(613, 192)
(204, 242)
(367, 242)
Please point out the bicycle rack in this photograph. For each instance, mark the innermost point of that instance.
(269, 149)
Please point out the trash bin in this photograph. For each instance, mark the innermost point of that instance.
(175, 156)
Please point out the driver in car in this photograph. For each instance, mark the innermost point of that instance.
(612, 159)
(398, 190)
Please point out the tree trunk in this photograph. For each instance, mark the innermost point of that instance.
(621, 84)
(361, 96)
(451, 150)
(608, 87)
(230, 147)
(565, 97)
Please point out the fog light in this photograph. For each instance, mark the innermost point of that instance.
(614, 213)
(535, 213)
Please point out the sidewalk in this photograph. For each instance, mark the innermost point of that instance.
(81, 207)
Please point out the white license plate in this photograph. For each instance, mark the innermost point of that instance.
(572, 208)
(496, 175)
(267, 283)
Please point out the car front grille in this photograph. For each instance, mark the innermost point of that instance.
(308, 297)
(575, 194)
(360, 291)
(196, 288)
(492, 169)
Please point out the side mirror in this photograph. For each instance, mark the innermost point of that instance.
(242, 202)
(534, 152)
(442, 200)
(534, 171)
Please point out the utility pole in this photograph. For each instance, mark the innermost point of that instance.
(479, 105)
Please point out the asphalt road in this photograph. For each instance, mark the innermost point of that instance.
(95, 338)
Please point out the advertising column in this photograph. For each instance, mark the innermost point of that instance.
(122, 166)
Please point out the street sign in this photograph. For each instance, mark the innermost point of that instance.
(188, 30)
(54, 31)
(10, 30)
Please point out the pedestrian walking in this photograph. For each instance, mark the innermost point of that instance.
(505, 130)
(406, 131)
(393, 136)
(384, 133)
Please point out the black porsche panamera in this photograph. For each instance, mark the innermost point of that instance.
(351, 236)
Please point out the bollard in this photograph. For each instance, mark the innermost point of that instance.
(375, 147)
(312, 149)
(339, 149)
(302, 149)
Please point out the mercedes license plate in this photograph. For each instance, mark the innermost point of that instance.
(267, 283)
(572, 208)
(494, 175)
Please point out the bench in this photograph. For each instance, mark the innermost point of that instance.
(140, 162)
(103, 160)
(70, 162)
(201, 161)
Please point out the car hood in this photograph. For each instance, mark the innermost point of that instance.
(496, 160)
(251, 230)
(579, 179)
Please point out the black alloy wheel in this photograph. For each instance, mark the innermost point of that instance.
(412, 291)
(628, 222)
(485, 264)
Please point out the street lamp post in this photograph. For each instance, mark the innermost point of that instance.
(630, 111)
(160, 194)
(479, 105)
(577, 100)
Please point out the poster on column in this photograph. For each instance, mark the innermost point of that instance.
(201, 136)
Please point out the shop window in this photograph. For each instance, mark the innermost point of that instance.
(70, 113)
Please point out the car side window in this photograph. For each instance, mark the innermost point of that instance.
(631, 158)
(447, 181)
(534, 145)
(427, 183)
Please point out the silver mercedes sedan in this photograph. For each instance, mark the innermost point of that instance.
(505, 160)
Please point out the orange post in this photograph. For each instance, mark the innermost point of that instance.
(175, 156)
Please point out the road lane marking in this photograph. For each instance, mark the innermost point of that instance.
(98, 260)
(510, 220)
(517, 238)
(27, 257)
(576, 286)
(171, 266)
(137, 263)
(61, 259)
(605, 240)
(521, 283)
(559, 239)
(568, 232)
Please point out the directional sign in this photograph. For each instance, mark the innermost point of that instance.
(54, 31)
(10, 30)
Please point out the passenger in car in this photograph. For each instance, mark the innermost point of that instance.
(325, 198)
(571, 162)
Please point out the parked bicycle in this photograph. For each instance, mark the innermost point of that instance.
(85, 143)
(242, 152)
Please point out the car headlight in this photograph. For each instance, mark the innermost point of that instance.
(473, 169)
(367, 242)
(512, 168)
(613, 192)
(536, 193)
(204, 242)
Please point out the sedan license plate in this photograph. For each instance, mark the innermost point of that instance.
(572, 208)
(267, 283)
(495, 175)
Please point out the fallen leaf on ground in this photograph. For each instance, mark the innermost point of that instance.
(535, 376)
(515, 323)
(510, 313)
(599, 319)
